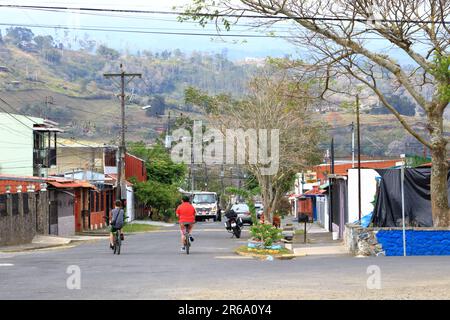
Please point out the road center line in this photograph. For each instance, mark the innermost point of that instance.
(6, 265)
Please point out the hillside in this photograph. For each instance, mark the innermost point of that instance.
(68, 86)
(72, 90)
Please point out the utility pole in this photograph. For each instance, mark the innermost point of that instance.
(358, 133)
(191, 171)
(48, 101)
(122, 148)
(330, 183)
(168, 139)
(353, 144)
(221, 179)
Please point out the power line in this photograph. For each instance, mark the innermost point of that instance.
(152, 18)
(137, 31)
(220, 15)
(32, 120)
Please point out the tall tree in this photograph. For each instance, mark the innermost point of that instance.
(19, 34)
(338, 31)
(274, 102)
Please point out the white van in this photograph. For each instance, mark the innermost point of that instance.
(206, 205)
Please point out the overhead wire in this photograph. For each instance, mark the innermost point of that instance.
(220, 15)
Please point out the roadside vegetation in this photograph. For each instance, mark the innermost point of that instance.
(138, 227)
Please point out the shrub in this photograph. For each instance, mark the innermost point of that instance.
(265, 233)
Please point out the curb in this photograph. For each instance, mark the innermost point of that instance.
(36, 248)
(265, 256)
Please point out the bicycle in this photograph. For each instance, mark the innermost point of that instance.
(187, 237)
(117, 242)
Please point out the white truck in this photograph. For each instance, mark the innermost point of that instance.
(206, 205)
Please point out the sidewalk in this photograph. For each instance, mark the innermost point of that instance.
(45, 242)
(318, 240)
(153, 223)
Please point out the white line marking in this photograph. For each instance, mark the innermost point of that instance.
(6, 265)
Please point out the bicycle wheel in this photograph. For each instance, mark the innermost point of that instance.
(119, 242)
(188, 242)
(237, 232)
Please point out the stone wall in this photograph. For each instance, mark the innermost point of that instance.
(20, 227)
(389, 241)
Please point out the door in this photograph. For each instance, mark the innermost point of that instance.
(53, 217)
(77, 210)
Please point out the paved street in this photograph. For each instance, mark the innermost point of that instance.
(152, 267)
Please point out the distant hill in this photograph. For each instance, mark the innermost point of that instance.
(41, 78)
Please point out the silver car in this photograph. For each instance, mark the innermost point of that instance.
(243, 212)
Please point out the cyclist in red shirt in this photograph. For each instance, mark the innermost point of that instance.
(186, 214)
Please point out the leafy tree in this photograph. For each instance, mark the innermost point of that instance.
(159, 196)
(275, 101)
(158, 108)
(19, 34)
(108, 53)
(418, 28)
(402, 104)
(164, 178)
(44, 42)
(53, 55)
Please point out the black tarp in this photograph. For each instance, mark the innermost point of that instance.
(388, 207)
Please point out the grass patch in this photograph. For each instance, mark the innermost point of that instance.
(299, 232)
(263, 252)
(137, 227)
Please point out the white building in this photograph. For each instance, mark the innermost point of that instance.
(27, 145)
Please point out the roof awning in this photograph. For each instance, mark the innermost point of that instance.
(47, 129)
(71, 184)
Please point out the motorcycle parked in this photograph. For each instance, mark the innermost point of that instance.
(233, 224)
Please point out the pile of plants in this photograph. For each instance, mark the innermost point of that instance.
(265, 236)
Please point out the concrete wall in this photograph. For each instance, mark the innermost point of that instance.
(66, 226)
(389, 241)
(130, 204)
(368, 191)
(425, 242)
(73, 158)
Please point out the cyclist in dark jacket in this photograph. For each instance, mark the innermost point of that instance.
(116, 222)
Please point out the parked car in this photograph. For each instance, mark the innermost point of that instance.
(243, 212)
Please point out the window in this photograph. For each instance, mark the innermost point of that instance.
(204, 198)
(102, 201)
(91, 200)
(110, 158)
(26, 209)
(97, 202)
(3, 210)
(15, 204)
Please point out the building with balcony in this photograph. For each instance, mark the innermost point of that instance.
(28, 145)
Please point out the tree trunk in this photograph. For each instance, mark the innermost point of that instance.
(439, 171)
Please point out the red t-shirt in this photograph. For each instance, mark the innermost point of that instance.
(185, 212)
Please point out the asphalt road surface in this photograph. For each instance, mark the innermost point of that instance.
(151, 266)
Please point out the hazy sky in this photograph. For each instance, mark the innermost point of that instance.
(238, 48)
(257, 47)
